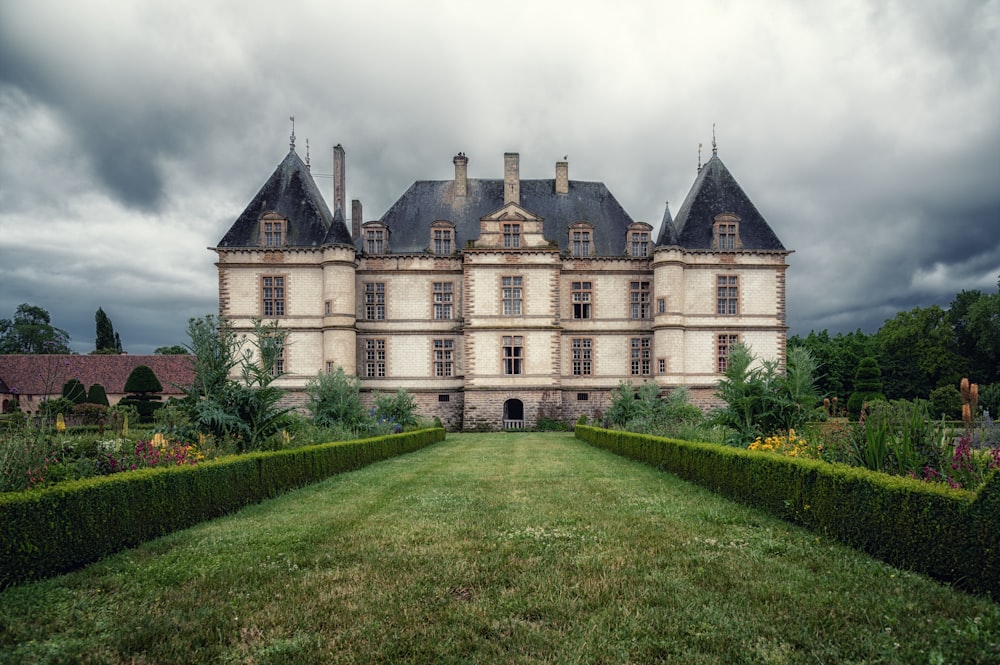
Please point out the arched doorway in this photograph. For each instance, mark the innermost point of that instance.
(513, 414)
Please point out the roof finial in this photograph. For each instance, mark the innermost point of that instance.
(308, 167)
(699, 157)
(291, 139)
(715, 147)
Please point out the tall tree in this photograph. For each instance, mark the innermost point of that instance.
(918, 353)
(31, 331)
(108, 340)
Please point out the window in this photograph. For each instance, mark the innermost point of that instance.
(512, 295)
(273, 233)
(374, 361)
(727, 295)
(375, 241)
(444, 398)
(640, 355)
(724, 345)
(513, 355)
(272, 295)
(277, 353)
(442, 300)
(581, 243)
(581, 293)
(511, 235)
(639, 300)
(661, 365)
(638, 243)
(442, 241)
(661, 305)
(328, 308)
(329, 367)
(375, 301)
(444, 359)
(582, 348)
(727, 232)
(582, 397)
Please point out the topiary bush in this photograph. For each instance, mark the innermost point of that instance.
(74, 391)
(867, 386)
(97, 395)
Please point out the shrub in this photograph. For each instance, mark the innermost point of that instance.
(867, 386)
(399, 409)
(74, 391)
(97, 395)
(142, 380)
(334, 400)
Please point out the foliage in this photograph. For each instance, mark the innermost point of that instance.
(97, 395)
(334, 400)
(75, 391)
(247, 411)
(399, 409)
(107, 340)
(867, 386)
(946, 402)
(838, 357)
(49, 408)
(31, 331)
(760, 400)
(790, 444)
(142, 379)
(175, 350)
(89, 414)
(917, 353)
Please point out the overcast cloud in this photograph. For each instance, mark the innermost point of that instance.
(132, 134)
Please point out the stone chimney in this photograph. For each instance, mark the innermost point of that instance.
(461, 174)
(356, 218)
(562, 177)
(511, 179)
(339, 186)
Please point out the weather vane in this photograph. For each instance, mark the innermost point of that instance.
(291, 139)
(715, 147)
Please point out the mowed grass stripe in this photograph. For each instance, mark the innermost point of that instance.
(495, 548)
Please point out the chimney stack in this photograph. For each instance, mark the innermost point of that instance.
(562, 177)
(511, 179)
(338, 178)
(461, 174)
(356, 218)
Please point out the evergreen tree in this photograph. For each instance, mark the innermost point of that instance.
(142, 386)
(97, 395)
(867, 386)
(108, 340)
(74, 391)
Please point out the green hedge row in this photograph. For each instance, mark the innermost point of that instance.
(55, 529)
(951, 535)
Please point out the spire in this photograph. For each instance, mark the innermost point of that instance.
(699, 158)
(291, 139)
(308, 165)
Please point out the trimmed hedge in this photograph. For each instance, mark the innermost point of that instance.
(951, 535)
(56, 529)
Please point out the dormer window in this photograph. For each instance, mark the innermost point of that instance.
(511, 235)
(376, 237)
(272, 230)
(580, 235)
(638, 240)
(442, 237)
(726, 232)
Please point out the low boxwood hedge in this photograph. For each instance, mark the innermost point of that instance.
(55, 529)
(951, 535)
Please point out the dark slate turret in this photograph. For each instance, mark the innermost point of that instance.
(410, 217)
(292, 193)
(715, 191)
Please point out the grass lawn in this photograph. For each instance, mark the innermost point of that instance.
(496, 548)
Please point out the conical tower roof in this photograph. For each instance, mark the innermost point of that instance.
(715, 191)
(292, 193)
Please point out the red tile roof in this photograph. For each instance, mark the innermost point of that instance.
(46, 374)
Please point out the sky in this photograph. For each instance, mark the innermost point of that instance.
(133, 134)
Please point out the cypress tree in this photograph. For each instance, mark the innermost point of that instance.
(108, 340)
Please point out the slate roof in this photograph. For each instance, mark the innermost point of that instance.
(292, 192)
(427, 201)
(46, 374)
(716, 191)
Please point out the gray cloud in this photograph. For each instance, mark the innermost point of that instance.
(133, 134)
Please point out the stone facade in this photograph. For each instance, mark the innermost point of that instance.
(497, 303)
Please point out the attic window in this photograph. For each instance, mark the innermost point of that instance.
(272, 230)
(442, 237)
(580, 237)
(726, 232)
(638, 239)
(375, 239)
